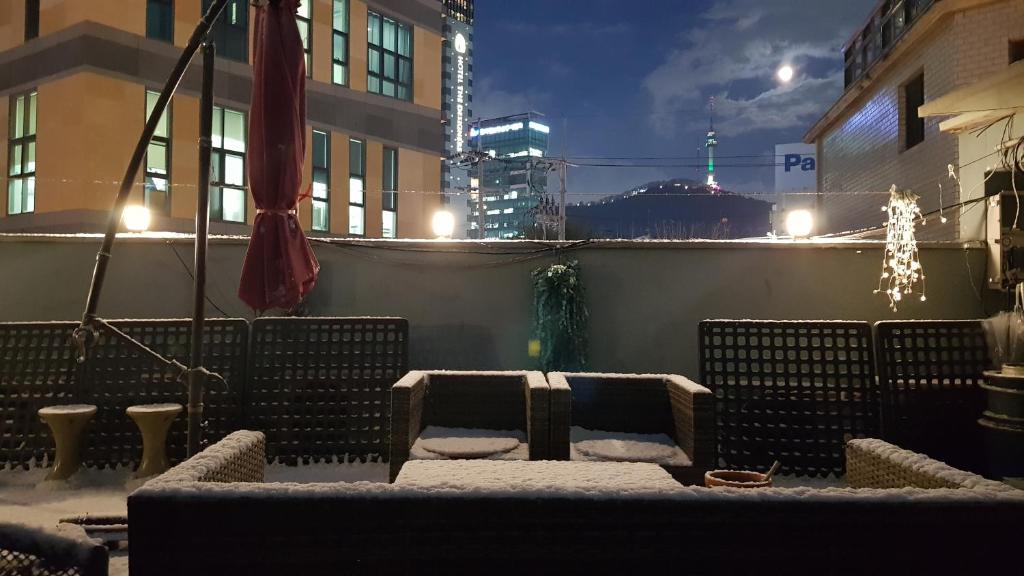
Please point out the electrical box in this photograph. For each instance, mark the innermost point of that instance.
(1005, 241)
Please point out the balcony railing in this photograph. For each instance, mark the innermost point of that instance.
(890, 21)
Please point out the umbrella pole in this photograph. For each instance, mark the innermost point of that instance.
(196, 375)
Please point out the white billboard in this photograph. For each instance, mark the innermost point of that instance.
(796, 168)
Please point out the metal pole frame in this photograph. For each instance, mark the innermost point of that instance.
(196, 376)
(86, 334)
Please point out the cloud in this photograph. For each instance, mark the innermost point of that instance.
(490, 101)
(732, 54)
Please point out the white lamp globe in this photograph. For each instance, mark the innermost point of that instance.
(799, 223)
(443, 224)
(136, 218)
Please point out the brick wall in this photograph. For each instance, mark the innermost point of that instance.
(863, 154)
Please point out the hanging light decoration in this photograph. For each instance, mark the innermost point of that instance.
(902, 274)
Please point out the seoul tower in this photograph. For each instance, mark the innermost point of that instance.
(711, 143)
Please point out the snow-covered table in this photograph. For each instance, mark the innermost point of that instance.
(535, 476)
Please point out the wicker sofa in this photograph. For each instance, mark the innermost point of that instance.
(64, 552)
(180, 525)
(641, 404)
(508, 401)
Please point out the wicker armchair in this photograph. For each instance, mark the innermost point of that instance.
(471, 400)
(638, 404)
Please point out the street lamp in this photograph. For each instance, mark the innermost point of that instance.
(785, 73)
(443, 224)
(800, 223)
(136, 218)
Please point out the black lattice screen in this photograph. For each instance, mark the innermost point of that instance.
(929, 373)
(117, 376)
(321, 387)
(37, 369)
(789, 390)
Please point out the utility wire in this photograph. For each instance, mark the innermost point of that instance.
(193, 277)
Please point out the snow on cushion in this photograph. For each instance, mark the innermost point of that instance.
(599, 445)
(436, 442)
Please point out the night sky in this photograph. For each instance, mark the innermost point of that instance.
(633, 78)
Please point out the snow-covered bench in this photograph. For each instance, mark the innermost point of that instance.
(182, 526)
(662, 419)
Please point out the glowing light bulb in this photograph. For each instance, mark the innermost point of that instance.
(136, 218)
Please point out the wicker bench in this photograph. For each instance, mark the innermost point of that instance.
(25, 550)
(179, 525)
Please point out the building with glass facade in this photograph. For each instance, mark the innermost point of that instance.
(81, 76)
(513, 183)
(457, 93)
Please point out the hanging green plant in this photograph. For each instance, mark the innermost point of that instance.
(560, 317)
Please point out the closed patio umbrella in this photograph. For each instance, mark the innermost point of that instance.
(280, 268)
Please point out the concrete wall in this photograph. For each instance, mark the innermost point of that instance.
(470, 304)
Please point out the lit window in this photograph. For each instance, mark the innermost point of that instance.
(339, 72)
(227, 166)
(389, 57)
(158, 161)
(357, 187)
(21, 167)
(304, 20)
(321, 181)
(390, 198)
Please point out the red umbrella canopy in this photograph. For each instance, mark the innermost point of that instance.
(280, 268)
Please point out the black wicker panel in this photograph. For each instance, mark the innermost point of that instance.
(929, 373)
(117, 376)
(37, 369)
(793, 391)
(320, 388)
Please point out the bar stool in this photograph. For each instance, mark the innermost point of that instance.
(67, 423)
(153, 420)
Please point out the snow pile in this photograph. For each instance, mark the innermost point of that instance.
(602, 446)
(440, 443)
(532, 479)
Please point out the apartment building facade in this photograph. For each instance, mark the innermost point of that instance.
(82, 75)
(909, 53)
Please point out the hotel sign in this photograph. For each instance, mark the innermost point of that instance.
(460, 92)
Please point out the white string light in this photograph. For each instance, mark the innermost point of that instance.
(902, 273)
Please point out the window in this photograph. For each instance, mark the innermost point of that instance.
(321, 181)
(303, 19)
(231, 32)
(158, 160)
(31, 19)
(160, 20)
(1016, 50)
(913, 125)
(356, 187)
(389, 57)
(21, 184)
(390, 200)
(227, 181)
(339, 71)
